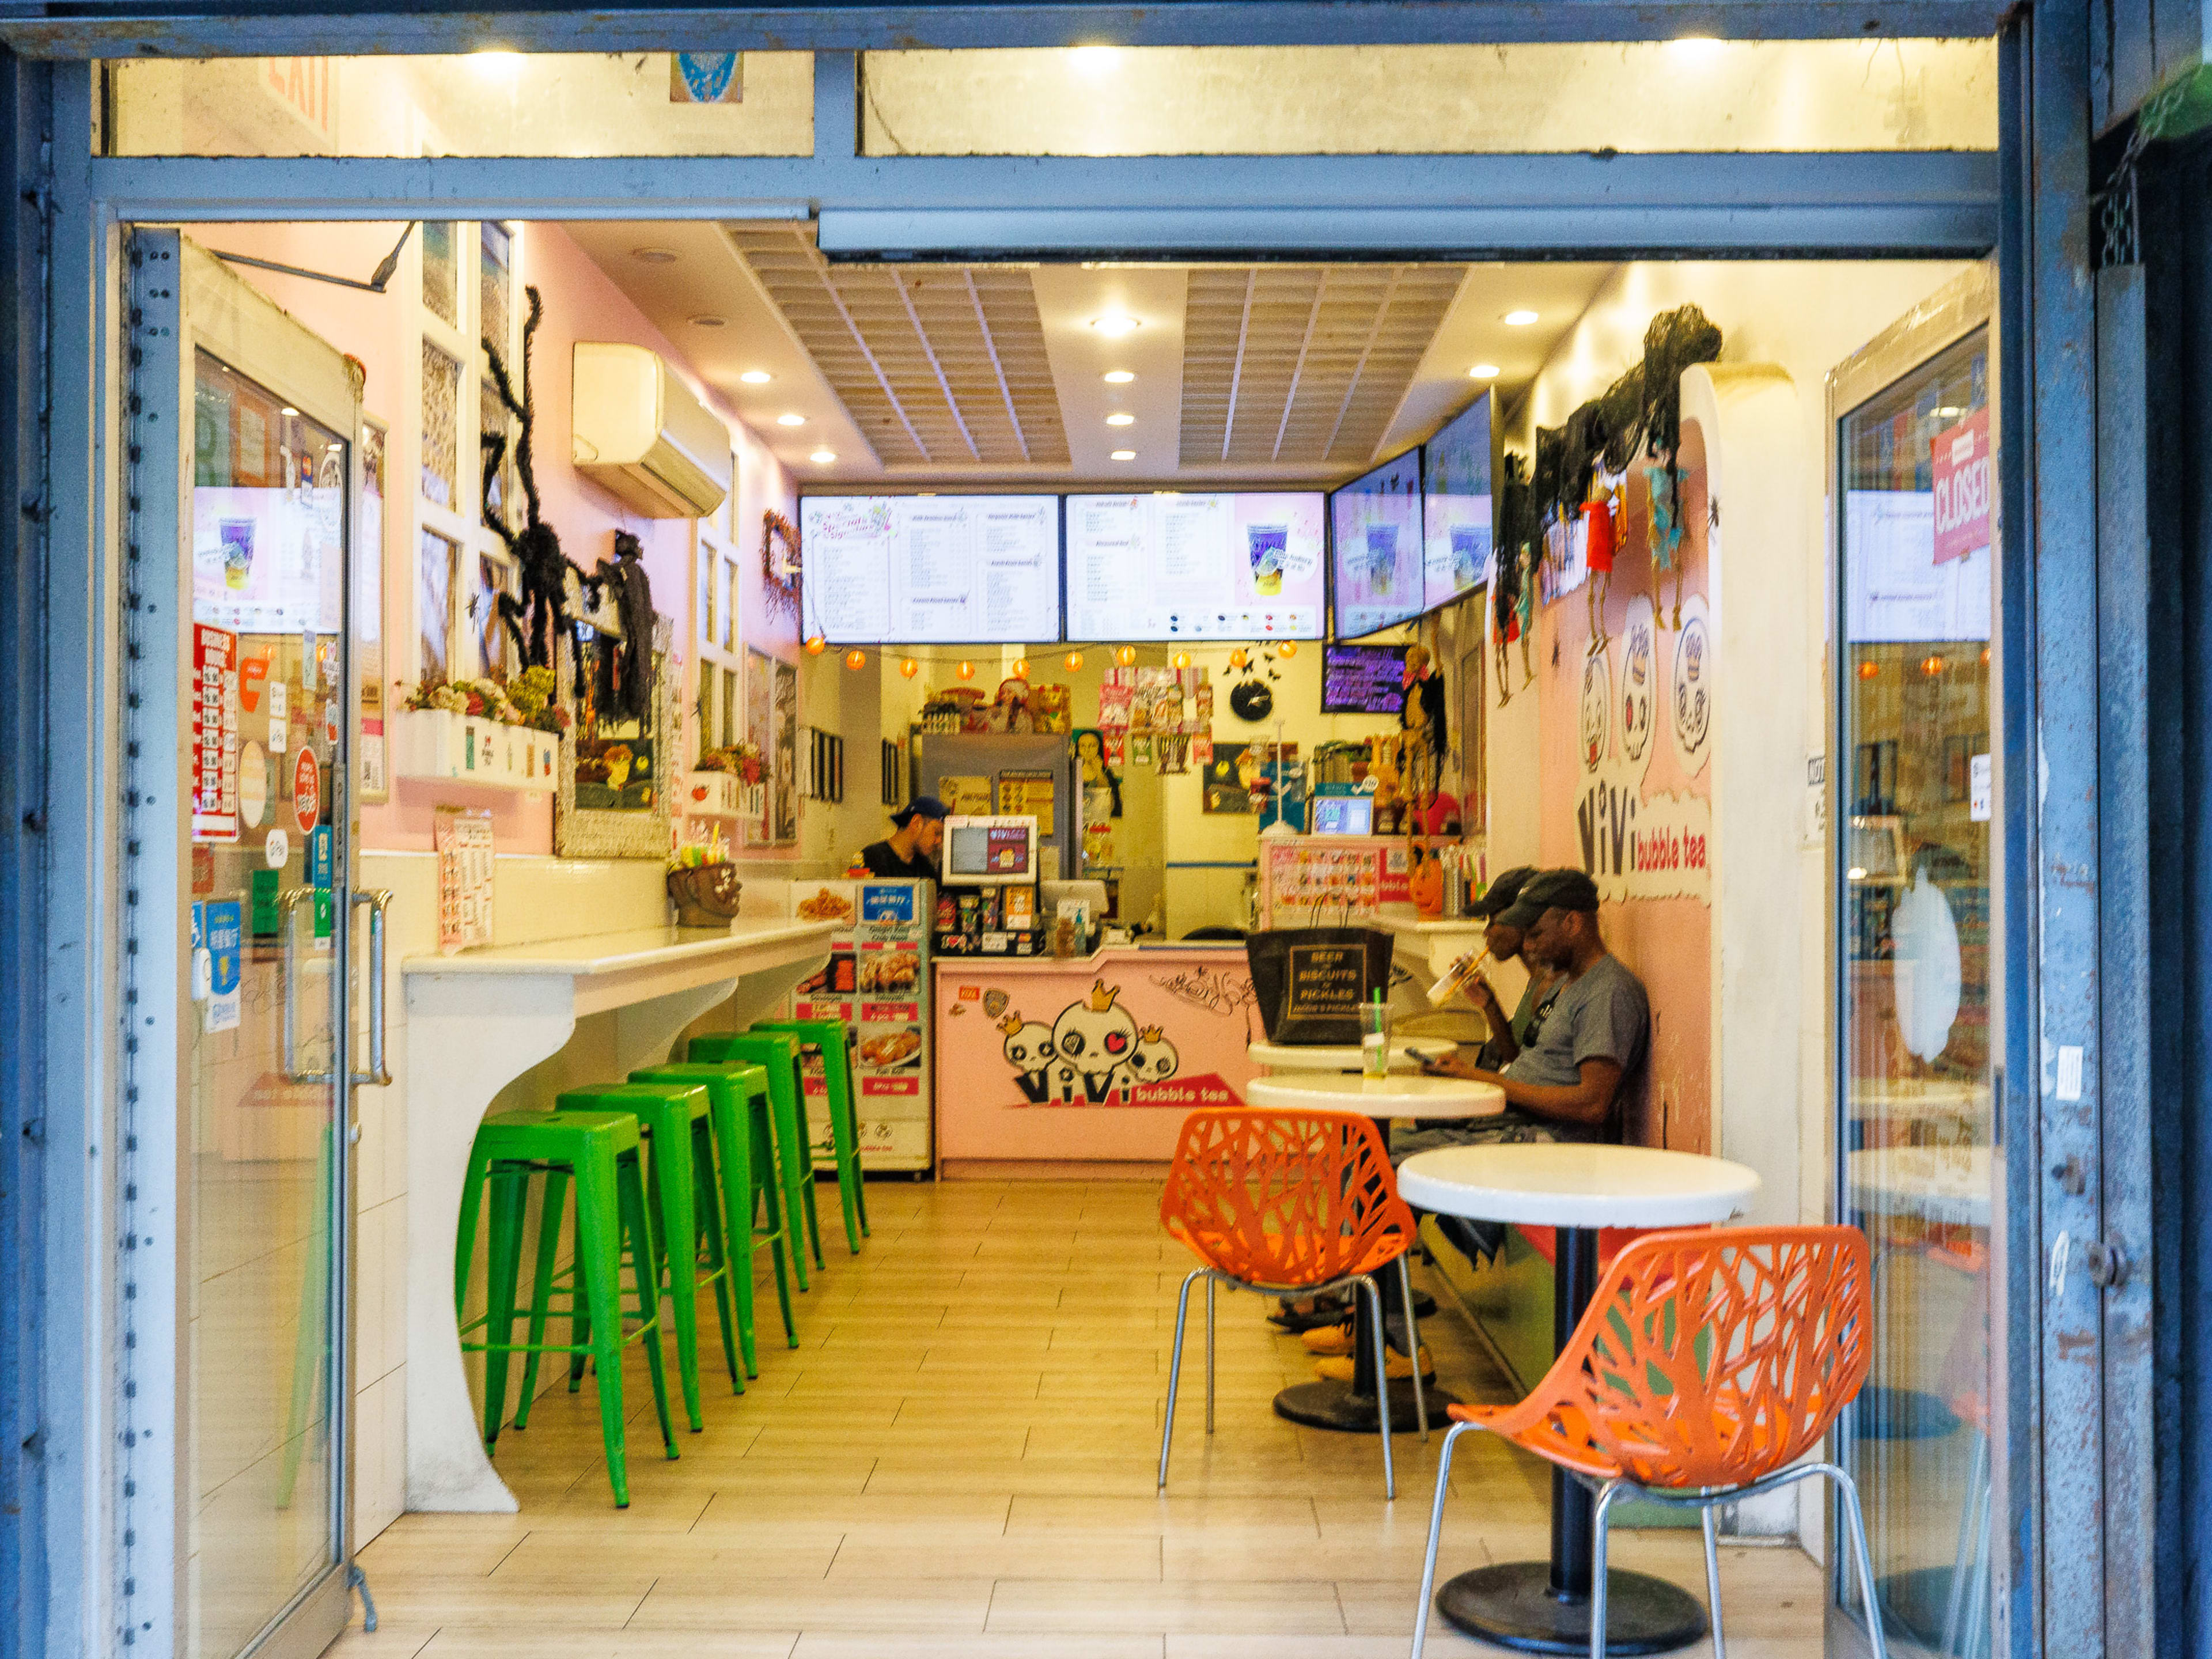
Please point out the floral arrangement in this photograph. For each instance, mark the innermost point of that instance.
(742, 757)
(527, 702)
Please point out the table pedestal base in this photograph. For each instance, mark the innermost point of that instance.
(1513, 1605)
(1327, 1405)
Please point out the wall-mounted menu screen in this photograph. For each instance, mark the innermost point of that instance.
(930, 570)
(1376, 550)
(1456, 495)
(1192, 567)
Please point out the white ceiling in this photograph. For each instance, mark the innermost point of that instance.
(920, 373)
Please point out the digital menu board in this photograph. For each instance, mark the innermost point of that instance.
(1363, 679)
(930, 569)
(1457, 526)
(1377, 554)
(1171, 566)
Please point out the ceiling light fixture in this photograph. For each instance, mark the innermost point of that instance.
(1519, 319)
(756, 377)
(289, 410)
(653, 256)
(822, 457)
(1695, 46)
(1115, 323)
(707, 320)
(1483, 372)
(495, 61)
(791, 420)
(1121, 420)
(1094, 60)
(1118, 377)
(1123, 455)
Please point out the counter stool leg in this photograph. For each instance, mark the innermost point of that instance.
(510, 1193)
(811, 1187)
(1436, 1532)
(464, 1238)
(579, 1308)
(637, 1220)
(795, 1159)
(707, 1207)
(673, 1184)
(598, 1297)
(776, 1233)
(1414, 1342)
(551, 1210)
(1713, 1580)
(1174, 1369)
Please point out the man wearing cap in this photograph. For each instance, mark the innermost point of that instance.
(1565, 1082)
(909, 852)
(1503, 941)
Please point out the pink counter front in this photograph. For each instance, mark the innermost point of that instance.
(1093, 1060)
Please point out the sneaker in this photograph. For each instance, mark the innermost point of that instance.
(1397, 1367)
(1304, 1314)
(1328, 1339)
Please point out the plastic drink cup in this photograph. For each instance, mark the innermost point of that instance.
(1375, 1037)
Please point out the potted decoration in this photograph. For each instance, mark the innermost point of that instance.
(702, 883)
(729, 783)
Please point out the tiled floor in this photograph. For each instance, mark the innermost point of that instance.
(957, 1462)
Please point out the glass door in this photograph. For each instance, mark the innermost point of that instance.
(1915, 965)
(264, 715)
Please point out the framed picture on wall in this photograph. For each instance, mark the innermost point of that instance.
(759, 728)
(783, 804)
(1473, 733)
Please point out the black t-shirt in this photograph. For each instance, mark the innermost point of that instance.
(883, 859)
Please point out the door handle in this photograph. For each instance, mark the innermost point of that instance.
(378, 899)
(290, 901)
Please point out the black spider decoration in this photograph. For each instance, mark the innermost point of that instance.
(540, 615)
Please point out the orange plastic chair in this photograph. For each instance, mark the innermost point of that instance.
(1287, 1203)
(1707, 1362)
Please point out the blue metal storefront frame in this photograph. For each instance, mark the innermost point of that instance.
(60, 897)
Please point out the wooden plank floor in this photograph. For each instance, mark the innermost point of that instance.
(957, 1462)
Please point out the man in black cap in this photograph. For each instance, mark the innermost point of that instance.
(909, 852)
(1565, 1083)
(1504, 941)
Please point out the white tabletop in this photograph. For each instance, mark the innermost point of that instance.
(1405, 1054)
(1949, 1184)
(583, 956)
(1386, 1097)
(1576, 1184)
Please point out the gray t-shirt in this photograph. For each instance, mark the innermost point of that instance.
(1603, 1015)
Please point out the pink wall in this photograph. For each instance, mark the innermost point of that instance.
(581, 304)
(1667, 941)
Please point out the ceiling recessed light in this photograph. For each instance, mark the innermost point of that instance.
(1115, 323)
(707, 320)
(1121, 420)
(756, 377)
(1948, 412)
(653, 256)
(1695, 46)
(289, 410)
(1483, 372)
(1123, 455)
(1094, 60)
(822, 457)
(791, 420)
(495, 61)
(1519, 319)
(1119, 377)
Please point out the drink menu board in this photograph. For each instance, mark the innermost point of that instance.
(1171, 566)
(1456, 493)
(1377, 549)
(930, 569)
(1309, 879)
(215, 734)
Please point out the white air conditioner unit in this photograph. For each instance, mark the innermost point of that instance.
(636, 428)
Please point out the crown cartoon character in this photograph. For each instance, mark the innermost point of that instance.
(1012, 1023)
(1102, 995)
(1149, 1033)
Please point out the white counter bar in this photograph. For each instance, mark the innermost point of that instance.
(1421, 940)
(478, 1021)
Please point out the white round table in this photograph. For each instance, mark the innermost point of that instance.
(1355, 1407)
(1395, 1095)
(1543, 1607)
(1406, 1054)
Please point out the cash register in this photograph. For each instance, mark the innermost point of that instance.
(987, 905)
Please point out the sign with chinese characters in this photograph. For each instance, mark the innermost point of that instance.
(215, 734)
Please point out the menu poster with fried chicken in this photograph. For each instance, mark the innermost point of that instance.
(893, 1053)
(828, 993)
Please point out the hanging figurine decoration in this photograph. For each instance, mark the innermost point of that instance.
(1675, 342)
(1421, 718)
(538, 615)
(1517, 509)
(623, 685)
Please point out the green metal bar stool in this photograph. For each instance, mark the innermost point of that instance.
(672, 1123)
(598, 1151)
(776, 1052)
(833, 1040)
(743, 1171)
